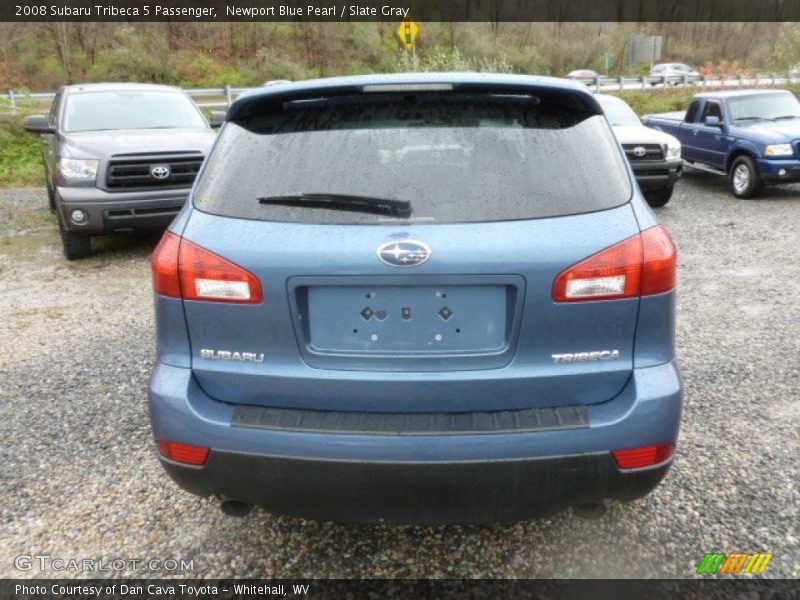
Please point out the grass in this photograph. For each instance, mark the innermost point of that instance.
(644, 103)
(657, 101)
(20, 154)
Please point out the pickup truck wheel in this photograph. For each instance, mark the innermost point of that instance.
(744, 177)
(51, 197)
(658, 198)
(75, 245)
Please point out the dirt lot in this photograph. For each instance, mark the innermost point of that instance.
(80, 479)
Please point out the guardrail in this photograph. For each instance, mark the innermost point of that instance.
(204, 97)
(660, 82)
(223, 96)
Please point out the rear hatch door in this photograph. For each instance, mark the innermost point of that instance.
(472, 324)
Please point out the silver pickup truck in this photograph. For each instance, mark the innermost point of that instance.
(119, 158)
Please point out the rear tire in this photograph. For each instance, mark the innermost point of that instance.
(75, 245)
(745, 181)
(658, 198)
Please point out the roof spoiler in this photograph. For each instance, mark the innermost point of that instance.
(275, 98)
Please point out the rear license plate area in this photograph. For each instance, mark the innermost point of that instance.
(407, 319)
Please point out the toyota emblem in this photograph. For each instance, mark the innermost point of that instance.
(159, 172)
(640, 151)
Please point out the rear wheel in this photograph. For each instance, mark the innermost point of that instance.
(657, 198)
(75, 245)
(745, 181)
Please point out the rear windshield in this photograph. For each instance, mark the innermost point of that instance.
(454, 160)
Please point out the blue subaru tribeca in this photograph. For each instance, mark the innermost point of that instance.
(416, 298)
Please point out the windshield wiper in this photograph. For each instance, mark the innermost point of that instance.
(784, 117)
(751, 119)
(366, 204)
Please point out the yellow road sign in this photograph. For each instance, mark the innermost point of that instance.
(407, 32)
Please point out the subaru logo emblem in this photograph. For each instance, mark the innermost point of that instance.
(159, 172)
(640, 151)
(404, 254)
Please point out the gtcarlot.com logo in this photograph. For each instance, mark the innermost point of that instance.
(735, 562)
(45, 562)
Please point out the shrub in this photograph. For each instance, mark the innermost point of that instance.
(201, 70)
(20, 153)
(451, 59)
(124, 64)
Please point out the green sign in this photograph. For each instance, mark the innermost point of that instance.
(607, 61)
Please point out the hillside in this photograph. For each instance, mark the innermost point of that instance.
(42, 56)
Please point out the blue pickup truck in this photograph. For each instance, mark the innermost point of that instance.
(752, 137)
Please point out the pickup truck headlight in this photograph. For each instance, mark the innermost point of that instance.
(78, 169)
(673, 151)
(779, 150)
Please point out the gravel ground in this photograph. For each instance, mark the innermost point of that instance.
(80, 479)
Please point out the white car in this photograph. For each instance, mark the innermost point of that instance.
(654, 156)
(673, 74)
(581, 74)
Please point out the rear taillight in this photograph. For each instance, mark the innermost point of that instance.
(207, 276)
(642, 265)
(183, 453)
(660, 261)
(645, 456)
(182, 269)
(165, 266)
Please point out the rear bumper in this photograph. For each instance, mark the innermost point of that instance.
(420, 492)
(437, 478)
(779, 171)
(118, 212)
(657, 174)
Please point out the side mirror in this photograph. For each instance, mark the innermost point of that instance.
(712, 121)
(38, 124)
(217, 119)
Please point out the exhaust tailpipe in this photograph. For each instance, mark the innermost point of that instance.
(235, 508)
(590, 510)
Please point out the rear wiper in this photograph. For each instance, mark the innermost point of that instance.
(367, 204)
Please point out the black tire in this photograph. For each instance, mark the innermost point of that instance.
(75, 245)
(51, 197)
(658, 198)
(744, 177)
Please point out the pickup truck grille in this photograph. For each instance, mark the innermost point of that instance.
(651, 151)
(153, 171)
